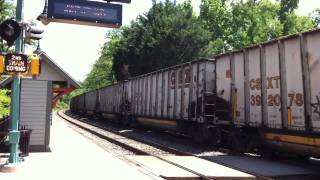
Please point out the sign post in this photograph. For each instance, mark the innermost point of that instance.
(14, 134)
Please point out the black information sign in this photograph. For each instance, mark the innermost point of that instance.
(16, 63)
(85, 12)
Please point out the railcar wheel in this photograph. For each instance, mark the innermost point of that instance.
(133, 122)
(238, 143)
(303, 157)
(216, 137)
(200, 133)
(99, 116)
(125, 121)
(269, 153)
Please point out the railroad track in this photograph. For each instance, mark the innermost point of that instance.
(154, 149)
(151, 148)
(123, 140)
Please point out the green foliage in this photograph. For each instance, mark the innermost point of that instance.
(7, 10)
(4, 103)
(254, 22)
(74, 93)
(316, 16)
(61, 105)
(286, 12)
(102, 73)
(298, 23)
(64, 101)
(166, 35)
(237, 24)
(287, 6)
(217, 18)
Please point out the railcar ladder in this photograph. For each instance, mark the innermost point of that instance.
(211, 106)
(208, 106)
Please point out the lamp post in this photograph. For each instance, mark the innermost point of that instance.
(43, 17)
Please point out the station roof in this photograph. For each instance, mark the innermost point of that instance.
(52, 65)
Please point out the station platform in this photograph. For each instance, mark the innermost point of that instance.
(76, 157)
(72, 156)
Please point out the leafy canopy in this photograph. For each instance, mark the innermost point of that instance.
(237, 24)
(166, 35)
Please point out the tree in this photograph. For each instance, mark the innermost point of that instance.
(102, 73)
(295, 23)
(237, 24)
(316, 16)
(166, 35)
(217, 19)
(7, 10)
(254, 22)
(287, 7)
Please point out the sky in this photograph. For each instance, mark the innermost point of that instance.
(75, 48)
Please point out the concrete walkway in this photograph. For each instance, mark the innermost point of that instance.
(72, 157)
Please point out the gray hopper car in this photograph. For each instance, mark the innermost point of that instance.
(264, 95)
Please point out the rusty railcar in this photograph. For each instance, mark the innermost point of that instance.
(80, 106)
(178, 98)
(264, 95)
(274, 90)
(111, 99)
(91, 102)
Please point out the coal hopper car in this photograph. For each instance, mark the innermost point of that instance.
(266, 96)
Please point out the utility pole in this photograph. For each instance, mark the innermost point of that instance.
(14, 134)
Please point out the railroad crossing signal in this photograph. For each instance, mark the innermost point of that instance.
(10, 30)
(32, 33)
(1, 64)
(35, 65)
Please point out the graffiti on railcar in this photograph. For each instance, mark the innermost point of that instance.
(316, 106)
(186, 77)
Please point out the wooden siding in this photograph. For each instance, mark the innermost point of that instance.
(33, 109)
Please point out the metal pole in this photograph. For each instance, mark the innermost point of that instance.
(14, 135)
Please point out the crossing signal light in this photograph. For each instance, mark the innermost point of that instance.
(10, 30)
(35, 65)
(33, 33)
(1, 64)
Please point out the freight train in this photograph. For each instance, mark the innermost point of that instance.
(264, 97)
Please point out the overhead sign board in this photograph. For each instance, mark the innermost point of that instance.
(85, 13)
(16, 63)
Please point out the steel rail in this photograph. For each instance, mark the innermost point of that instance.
(133, 149)
(175, 151)
(123, 145)
(153, 144)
